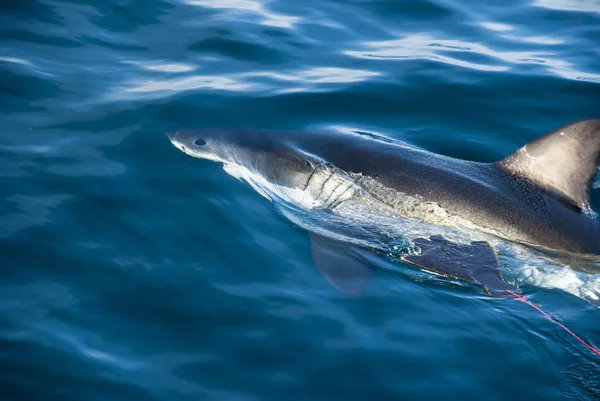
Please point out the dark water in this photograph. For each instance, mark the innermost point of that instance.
(130, 271)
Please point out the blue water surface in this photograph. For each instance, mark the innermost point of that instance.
(130, 271)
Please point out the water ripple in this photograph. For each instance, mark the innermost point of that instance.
(260, 81)
(192, 83)
(30, 211)
(164, 67)
(427, 47)
(251, 7)
(570, 5)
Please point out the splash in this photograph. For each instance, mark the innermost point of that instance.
(527, 267)
(589, 212)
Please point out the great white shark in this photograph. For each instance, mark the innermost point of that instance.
(538, 197)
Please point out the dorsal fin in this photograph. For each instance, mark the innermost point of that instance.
(563, 162)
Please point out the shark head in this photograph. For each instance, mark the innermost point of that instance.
(263, 158)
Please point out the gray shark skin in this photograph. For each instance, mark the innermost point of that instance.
(537, 196)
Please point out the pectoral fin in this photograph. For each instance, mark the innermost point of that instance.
(345, 266)
(475, 263)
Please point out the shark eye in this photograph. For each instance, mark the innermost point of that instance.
(200, 142)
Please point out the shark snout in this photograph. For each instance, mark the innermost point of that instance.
(174, 138)
(196, 143)
(172, 135)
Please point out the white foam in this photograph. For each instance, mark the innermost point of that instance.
(531, 268)
(588, 212)
(580, 284)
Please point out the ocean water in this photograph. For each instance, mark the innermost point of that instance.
(129, 271)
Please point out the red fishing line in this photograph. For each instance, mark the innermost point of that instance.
(534, 306)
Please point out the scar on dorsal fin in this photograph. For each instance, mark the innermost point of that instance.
(475, 263)
(563, 162)
(345, 266)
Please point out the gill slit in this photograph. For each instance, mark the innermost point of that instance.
(310, 177)
(323, 186)
(332, 194)
(339, 199)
